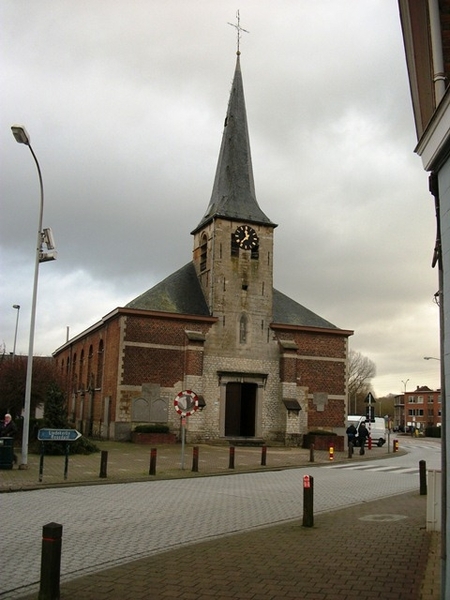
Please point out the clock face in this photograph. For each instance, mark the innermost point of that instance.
(246, 237)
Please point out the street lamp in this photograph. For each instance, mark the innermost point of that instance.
(21, 136)
(17, 307)
(431, 358)
(404, 399)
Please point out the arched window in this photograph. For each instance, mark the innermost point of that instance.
(98, 383)
(90, 374)
(203, 252)
(80, 371)
(243, 329)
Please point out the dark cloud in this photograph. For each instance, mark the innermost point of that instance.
(125, 102)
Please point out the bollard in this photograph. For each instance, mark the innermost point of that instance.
(103, 464)
(231, 463)
(350, 449)
(395, 446)
(331, 453)
(311, 453)
(369, 443)
(263, 456)
(50, 562)
(308, 501)
(152, 470)
(423, 477)
(195, 459)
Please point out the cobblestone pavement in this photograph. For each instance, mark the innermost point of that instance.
(110, 526)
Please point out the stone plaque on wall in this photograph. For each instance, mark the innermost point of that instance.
(320, 399)
(140, 410)
(158, 411)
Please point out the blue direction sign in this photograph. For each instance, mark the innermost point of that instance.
(58, 435)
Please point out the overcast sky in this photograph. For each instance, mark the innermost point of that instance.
(125, 100)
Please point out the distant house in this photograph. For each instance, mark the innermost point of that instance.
(419, 409)
(262, 365)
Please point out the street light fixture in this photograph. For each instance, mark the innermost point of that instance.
(21, 136)
(17, 307)
(431, 358)
(404, 400)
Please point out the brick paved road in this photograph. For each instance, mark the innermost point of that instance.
(111, 525)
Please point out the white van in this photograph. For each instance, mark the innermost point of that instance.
(377, 429)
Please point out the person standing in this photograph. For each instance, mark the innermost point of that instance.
(363, 434)
(351, 434)
(9, 430)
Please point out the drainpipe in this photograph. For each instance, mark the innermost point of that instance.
(436, 47)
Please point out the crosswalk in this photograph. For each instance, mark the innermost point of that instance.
(367, 467)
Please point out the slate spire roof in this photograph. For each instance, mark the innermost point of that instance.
(233, 196)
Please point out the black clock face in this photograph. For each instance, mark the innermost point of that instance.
(246, 237)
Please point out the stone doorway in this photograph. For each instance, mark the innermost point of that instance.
(240, 409)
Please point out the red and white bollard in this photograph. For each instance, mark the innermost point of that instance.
(331, 453)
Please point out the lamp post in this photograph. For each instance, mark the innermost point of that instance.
(21, 136)
(17, 307)
(404, 398)
(431, 358)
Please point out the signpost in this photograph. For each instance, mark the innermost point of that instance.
(185, 403)
(370, 415)
(56, 435)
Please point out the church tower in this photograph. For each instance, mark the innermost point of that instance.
(233, 243)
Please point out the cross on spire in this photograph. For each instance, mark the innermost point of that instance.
(238, 29)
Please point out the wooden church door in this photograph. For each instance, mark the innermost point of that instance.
(240, 409)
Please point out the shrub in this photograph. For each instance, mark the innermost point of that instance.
(433, 432)
(151, 429)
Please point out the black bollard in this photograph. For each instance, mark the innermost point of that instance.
(308, 501)
(231, 462)
(263, 456)
(153, 453)
(103, 464)
(423, 477)
(350, 449)
(50, 561)
(195, 459)
(311, 453)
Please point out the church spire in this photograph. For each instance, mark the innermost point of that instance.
(233, 196)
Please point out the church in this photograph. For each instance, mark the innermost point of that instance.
(260, 365)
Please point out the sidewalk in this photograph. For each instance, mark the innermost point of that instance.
(131, 462)
(379, 549)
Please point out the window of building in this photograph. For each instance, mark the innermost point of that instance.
(203, 252)
(80, 372)
(412, 399)
(98, 383)
(430, 400)
(243, 329)
(419, 399)
(234, 246)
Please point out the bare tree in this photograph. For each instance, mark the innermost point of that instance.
(360, 371)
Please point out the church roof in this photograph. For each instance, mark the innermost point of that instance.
(233, 196)
(289, 312)
(181, 293)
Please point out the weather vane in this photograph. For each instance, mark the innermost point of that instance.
(238, 29)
